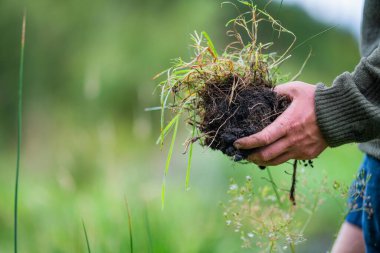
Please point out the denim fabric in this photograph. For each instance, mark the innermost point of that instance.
(364, 203)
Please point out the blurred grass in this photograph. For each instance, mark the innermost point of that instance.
(88, 142)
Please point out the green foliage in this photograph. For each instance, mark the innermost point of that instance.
(264, 218)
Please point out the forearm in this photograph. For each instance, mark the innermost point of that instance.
(349, 111)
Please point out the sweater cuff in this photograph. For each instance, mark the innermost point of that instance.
(335, 112)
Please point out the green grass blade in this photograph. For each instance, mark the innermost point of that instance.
(312, 37)
(210, 44)
(148, 230)
(164, 99)
(86, 236)
(292, 248)
(189, 159)
(181, 72)
(302, 67)
(249, 4)
(168, 159)
(274, 186)
(166, 130)
(129, 226)
(19, 128)
(154, 108)
(172, 145)
(163, 189)
(189, 166)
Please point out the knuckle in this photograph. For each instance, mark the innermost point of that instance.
(252, 158)
(294, 126)
(275, 163)
(266, 139)
(293, 139)
(308, 153)
(260, 156)
(265, 156)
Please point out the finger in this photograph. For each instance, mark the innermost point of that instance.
(285, 89)
(278, 160)
(290, 88)
(276, 130)
(272, 151)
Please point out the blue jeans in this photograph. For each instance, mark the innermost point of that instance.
(364, 203)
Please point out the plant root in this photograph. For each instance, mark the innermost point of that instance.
(294, 181)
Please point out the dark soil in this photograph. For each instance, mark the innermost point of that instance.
(236, 108)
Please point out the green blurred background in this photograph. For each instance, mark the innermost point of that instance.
(88, 143)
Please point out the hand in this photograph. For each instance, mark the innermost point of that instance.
(293, 135)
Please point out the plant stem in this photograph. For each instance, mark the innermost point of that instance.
(190, 158)
(271, 247)
(86, 236)
(292, 248)
(274, 186)
(313, 210)
(19, 125)
(168, 159)
(148, 230)
(129, 226)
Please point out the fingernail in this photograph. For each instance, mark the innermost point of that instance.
(237, 145)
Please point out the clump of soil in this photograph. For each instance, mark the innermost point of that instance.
(234, 108)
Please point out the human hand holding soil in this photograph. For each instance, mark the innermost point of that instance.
(293, 135)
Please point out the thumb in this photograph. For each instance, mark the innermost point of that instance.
(285, 89)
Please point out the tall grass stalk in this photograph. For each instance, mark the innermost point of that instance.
(149, 232)
(274, 186)
(19, 128)
(189, 160)
(169, 158)
(86, 236)
(292, 248)
(129, 226)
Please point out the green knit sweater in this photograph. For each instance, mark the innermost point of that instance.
(349, 111)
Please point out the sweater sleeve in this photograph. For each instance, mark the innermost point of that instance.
(349, 111)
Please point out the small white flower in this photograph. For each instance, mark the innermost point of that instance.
(233, 187)
(250, 235)
(228, 222)
(240, 198)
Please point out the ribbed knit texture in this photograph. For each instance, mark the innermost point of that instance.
(349, 111)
